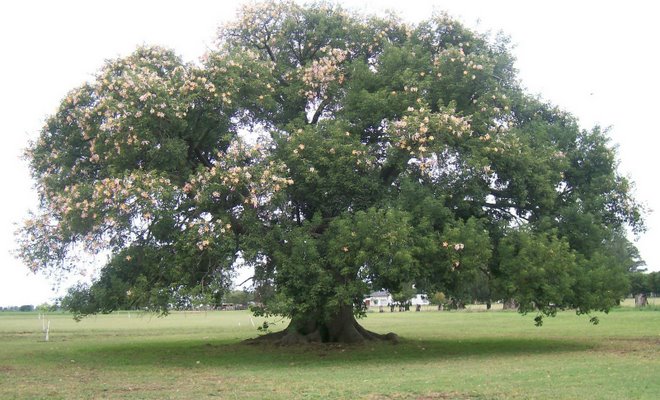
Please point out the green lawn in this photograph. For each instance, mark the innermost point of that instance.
(442, 355)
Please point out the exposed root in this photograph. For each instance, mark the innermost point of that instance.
(267, 338)
(369, 335)
(352, 333)
(342, 327)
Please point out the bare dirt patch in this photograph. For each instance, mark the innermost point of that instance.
(427, 396)
(6, 369)
(644, 347)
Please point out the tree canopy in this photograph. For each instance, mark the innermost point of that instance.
(336, 154)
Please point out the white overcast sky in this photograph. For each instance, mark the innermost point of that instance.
(595, 59)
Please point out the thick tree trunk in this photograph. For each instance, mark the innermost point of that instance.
(510, 304)
(641, 300)
(341, 328)
(455, 304)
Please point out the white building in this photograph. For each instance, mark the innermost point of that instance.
(384, 298)
(377, 299)
(420, 300)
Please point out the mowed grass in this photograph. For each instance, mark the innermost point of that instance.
(442, 355)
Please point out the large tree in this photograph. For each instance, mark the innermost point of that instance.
(336, 154)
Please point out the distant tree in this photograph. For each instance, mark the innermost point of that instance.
(404, 295)
(390, 154)
(643, 285)
(654, 283)
(239, 297)
(438, 299)
(46, 307)
(640, 283)
(26, 308)
(481, 291)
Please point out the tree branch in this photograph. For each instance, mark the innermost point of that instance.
(270, 53)
(319, 110)
(503, 208)
(203, 158)
(248, 279)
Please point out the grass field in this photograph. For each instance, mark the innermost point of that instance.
(442, 355)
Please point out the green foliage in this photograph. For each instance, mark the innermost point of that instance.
(654, 282)
(404, 295)
(538, 270)
(46, 307)
(239, 297)
(381, 155)
(644, 283)
(438, 298)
